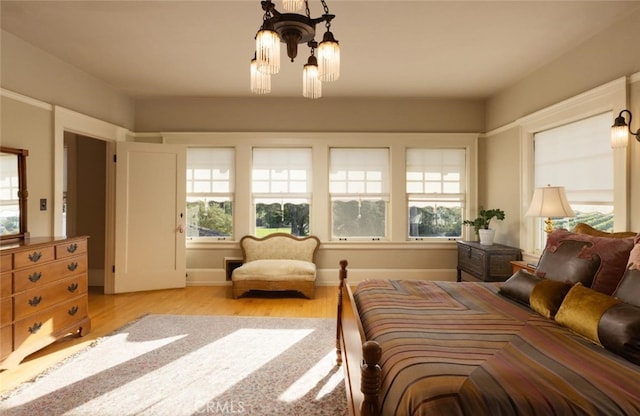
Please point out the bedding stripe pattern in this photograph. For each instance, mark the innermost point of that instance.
(462, 349)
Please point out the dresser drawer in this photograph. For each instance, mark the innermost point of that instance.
(45, 296)
(32, 277)
(6, 311)
(6, 263)
(48, 323)
(32, 257)
(70, 249)
(5, 285)
(6, 340)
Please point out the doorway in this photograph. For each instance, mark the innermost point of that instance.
(85, 198)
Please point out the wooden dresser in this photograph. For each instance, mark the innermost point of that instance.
(43, 295)
(486, 263)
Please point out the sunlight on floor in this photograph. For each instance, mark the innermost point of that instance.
(313, 378)
(199, 375)
(103, 363)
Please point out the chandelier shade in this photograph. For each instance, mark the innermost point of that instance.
(329, 58)
(292, 5)
(295, 29)
(268, 51)
(311, 84)
(260, 81)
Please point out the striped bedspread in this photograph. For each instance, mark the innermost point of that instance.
(462, 349)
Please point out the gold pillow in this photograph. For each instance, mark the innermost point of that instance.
(546, 297)
(582, 309)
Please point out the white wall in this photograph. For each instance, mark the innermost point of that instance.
(30, 71)
(265, 114)
(609, 55)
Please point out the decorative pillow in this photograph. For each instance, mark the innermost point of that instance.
(563, 261)
(613, 254)
(547, 296)
(619, 331)
(582, 309)
(629, 288)
(519, 286)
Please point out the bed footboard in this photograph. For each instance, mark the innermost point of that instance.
(360, 358)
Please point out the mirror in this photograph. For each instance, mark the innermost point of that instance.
(13, 193)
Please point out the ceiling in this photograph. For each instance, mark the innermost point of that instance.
(419, 48)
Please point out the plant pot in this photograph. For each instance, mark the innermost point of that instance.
(486, 236)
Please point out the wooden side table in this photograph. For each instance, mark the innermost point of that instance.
(522, 265)
(486, 263)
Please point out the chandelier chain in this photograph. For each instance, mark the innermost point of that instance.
(306, 8)
(326, 11)
(324, 5)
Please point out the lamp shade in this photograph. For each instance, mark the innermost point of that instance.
(293, 5)
(619, 136)
(311, 84)
(550, 201)
(329, 58)
(260, 81)
(268, 51)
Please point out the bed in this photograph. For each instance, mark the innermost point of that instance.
(563, 341)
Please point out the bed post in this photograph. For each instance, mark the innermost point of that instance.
(343, 278)
(370, 382)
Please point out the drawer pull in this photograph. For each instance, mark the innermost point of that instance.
(72, 287)
(35, 256)
(73, 310)
(72, 266)
(35, 327)
(35, 301)
(35, 276)
(71, 248)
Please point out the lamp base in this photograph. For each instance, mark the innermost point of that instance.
(549, 226)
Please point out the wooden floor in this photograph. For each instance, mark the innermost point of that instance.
(110, 312)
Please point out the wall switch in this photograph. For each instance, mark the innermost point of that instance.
(43, 204)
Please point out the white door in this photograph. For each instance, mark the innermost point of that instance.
(150, 201)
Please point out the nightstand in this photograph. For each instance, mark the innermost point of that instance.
(486, 263)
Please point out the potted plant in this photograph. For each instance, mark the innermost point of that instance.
(481, 224)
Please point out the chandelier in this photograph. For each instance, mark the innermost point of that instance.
(292, 29)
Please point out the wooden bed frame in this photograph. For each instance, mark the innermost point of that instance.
(361, 358)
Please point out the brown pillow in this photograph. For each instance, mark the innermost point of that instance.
(613, 253)
(562, 262)
(619, 331)
(582, 309)
(547, 296)
(519, 286)
(629, 288)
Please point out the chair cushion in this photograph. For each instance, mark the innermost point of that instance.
(277, 269)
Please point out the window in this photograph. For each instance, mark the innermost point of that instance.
(281, 188)
(359, 190)
(435, 185)
(210, 189)
(579, 157)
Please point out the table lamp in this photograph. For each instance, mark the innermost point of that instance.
(549, 201)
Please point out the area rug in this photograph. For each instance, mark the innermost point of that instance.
(194, 365)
